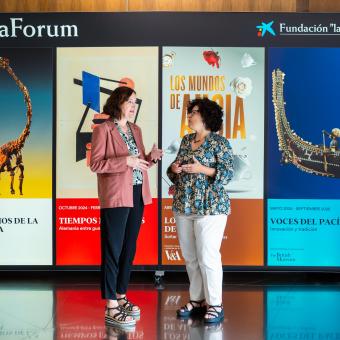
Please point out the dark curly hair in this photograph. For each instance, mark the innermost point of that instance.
(210, 111)
(113, 104)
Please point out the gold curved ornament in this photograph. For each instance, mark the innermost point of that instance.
(314, 159)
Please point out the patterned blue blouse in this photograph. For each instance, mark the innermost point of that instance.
(198, 194)
(133, 150)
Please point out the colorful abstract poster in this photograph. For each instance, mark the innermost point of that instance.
(302, 313)
(85, 78)
(303, 157)
(234, 78)
(26, 83)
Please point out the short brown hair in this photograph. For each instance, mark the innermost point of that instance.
(210, 111)
(120, 95)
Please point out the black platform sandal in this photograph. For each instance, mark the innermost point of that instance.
(118, 319)
(217, 316)
(128, 307)
(185, 312)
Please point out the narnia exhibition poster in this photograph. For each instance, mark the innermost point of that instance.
(234, 78)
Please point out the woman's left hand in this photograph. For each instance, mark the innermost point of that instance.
(156, 154)
(172, 190)
(193, 168)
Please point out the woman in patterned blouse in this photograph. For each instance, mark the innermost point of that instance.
(200, 173)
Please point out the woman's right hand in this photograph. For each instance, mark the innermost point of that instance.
(137, 163)
(176, 167)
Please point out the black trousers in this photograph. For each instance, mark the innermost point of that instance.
(119, 232)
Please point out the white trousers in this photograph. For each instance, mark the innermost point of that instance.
(200, 238)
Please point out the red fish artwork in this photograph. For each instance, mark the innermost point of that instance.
(212, 58)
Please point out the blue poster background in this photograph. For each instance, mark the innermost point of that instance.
(297, 200)
(311, 93)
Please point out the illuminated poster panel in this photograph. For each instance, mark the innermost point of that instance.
(85, 79)
(26, 83)
(303, 163)
(234, 78)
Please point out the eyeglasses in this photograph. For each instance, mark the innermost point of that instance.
(131, 101)
(193, 112)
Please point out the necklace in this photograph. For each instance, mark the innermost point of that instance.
(124, 128)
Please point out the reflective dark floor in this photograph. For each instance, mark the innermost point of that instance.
(253, 311)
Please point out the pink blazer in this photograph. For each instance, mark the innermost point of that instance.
(108, 160)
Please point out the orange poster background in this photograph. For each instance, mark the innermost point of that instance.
(243, 239)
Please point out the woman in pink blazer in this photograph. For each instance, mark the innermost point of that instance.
(119, 159)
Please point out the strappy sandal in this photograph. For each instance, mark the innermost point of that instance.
(217, 316)
(118, 319)
(185, 312)
(128, 307)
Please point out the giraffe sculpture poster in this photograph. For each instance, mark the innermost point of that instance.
(26, 156)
